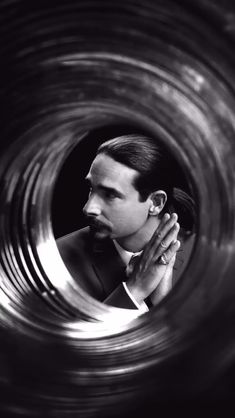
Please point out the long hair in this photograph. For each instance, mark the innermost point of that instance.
(157, 170)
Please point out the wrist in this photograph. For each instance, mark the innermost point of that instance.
(137, 294)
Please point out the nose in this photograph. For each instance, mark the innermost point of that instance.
(92, 206)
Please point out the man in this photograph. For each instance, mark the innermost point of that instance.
(131, 191)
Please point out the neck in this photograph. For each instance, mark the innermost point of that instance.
(137, 241)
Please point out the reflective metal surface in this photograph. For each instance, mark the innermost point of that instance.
(67, 68)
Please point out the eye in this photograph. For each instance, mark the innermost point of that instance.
(110, 195)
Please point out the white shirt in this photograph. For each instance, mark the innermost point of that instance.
(126, 256)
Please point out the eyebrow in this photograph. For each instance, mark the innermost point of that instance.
(105, 188)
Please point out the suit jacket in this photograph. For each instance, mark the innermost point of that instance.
(99, 269)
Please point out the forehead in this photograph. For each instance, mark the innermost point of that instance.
(111, 173)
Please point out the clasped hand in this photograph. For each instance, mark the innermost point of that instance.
(155, 265)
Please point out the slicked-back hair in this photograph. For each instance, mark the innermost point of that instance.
(142, 154)
(156, 168)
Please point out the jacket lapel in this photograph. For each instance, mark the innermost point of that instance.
(108, 265)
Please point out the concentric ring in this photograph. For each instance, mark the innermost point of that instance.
(167, 67)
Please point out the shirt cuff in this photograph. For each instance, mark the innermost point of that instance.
(142, 307)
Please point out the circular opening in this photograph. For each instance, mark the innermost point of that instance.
(70, 195)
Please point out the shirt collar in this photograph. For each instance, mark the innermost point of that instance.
(124, 254)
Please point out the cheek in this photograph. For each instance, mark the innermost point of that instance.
(138, 215)
(131, 217)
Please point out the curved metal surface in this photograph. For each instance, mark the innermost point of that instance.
(167, 67)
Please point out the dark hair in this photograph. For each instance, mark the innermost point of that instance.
(157, 170)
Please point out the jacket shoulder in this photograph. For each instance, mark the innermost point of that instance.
(75, 239)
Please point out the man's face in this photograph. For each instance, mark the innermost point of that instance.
(113, 207)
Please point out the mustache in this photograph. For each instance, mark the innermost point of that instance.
(97, 224)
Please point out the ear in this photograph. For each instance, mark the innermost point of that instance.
(157, 202)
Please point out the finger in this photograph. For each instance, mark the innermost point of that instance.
(165, 226)
(167, 222)
(170, 253)
(172, 259)
(170, 238)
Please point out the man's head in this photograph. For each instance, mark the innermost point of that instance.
(129, 183)
(141, 153)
